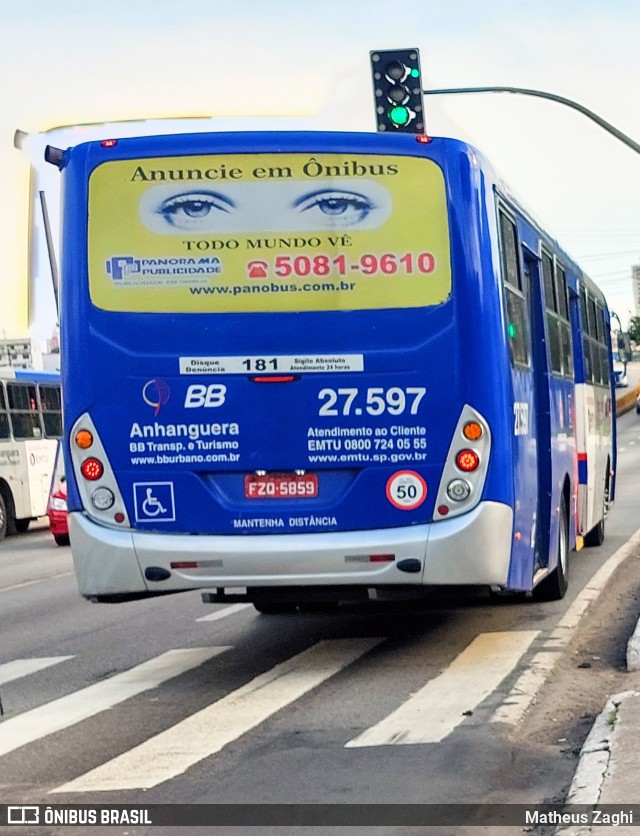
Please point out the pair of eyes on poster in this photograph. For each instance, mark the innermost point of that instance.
(253, 207)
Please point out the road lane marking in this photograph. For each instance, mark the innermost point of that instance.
(24, 667)
(436, 709)
(79, 705)
(527, 686)
(230, 610)
(206, 732)
(529, 683)
(22, 584)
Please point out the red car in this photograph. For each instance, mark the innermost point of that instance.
(57, 506)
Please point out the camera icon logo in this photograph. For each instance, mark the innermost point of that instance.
(24, 814)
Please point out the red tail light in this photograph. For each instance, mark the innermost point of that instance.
(92, 469)
(467, 460)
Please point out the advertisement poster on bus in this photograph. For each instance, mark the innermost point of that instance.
(268, 232)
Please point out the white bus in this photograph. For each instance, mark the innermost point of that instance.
(30, 426)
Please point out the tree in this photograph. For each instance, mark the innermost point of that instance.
(634, 329)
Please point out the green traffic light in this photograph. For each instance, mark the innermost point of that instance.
(512, 331)
(397, 89)
(399, 115)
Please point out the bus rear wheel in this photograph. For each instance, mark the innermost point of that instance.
(22, 526)
(554, 586)
(595, 537)
(3, 517)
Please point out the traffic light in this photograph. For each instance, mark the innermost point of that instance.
(397, 89)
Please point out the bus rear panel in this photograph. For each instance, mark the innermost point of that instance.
(284, 364)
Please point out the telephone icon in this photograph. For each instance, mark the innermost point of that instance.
(257, 269)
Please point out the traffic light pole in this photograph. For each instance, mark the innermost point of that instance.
(542, 95)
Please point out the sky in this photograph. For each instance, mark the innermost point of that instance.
(270, 64)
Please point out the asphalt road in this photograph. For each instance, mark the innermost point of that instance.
(171, 701)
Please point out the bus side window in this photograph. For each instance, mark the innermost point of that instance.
(603, 347)
(564, 321)
(4, 415)
(551, 306)
(586, 343)
(514, 292)
(595, 339)
(50, 403)
(23, 410)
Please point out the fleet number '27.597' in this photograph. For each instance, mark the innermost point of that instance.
(373, 401)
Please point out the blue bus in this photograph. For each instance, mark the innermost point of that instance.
(30, 427)
(323, 367)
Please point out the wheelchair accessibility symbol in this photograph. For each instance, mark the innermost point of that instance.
(154, 501)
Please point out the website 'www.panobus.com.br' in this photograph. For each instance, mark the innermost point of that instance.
(274, 287)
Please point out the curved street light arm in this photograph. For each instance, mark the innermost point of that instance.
(542, 95)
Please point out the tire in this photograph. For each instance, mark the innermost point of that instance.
(22, 526)
(61, 539)
(10, 517)
(595, 537)
(3, 518)
(554, 586)
(271, 608)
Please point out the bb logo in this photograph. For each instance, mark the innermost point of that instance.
(156, 393)
(208, 396)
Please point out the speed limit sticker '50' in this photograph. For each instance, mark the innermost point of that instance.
(406, 489)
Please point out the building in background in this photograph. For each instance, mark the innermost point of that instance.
(16, 354)
(635, 281)
(29, 354)
(51, 357)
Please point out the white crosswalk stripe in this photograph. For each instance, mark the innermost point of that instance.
(230, 610)
(79, 705)
(201, 735)
(433, 712)
(427, 716)
(24, 667)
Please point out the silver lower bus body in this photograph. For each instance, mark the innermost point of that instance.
(473, 549)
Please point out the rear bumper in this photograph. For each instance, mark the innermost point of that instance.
(471, 549)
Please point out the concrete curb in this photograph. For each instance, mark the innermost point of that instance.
(593, 762)
(595, 754)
